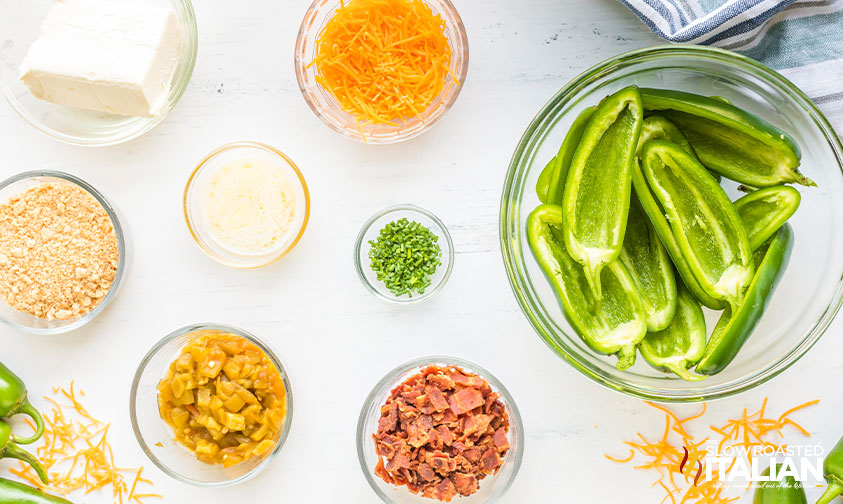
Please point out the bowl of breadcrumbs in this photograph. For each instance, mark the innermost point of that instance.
(62, 252)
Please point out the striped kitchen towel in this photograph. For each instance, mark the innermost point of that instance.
(802, 39)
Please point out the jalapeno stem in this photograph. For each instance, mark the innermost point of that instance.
(15, 452)
(834, 490)
(30, 411)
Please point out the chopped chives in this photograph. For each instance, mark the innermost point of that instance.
(405, 256)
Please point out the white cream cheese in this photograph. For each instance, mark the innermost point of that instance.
(250, 206)
(105, 55)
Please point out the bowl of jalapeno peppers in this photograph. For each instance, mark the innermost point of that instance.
(670, 223)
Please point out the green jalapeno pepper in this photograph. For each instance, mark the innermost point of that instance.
(662, 227)
(10, 449)
(833, 471)
(12, 492)
(551, 182)
(614, 326)
(659, 128)
(781, 491)
(764, 211)
(597, 190)
(682, 344)
(13, 400)
(704, 224)
(735, 325)
(649, 265)
(543, 182)
(730, 141)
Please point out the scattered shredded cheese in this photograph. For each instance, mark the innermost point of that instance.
(77, 455)
(679, 458)
(384, 60)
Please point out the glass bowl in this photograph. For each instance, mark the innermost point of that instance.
(326, 107)
(199, 179)
(490, 489)
(370, 231)
(809, 293)
(20, 25)
(156, 437)
(25, 322)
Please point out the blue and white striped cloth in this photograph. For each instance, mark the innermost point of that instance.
(802, 39)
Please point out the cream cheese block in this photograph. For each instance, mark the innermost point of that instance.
(105, 55)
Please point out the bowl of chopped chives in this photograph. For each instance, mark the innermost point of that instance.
(404, 254)
(381, 71)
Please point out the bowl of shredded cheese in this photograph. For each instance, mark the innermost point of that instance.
(246, 205)
(381, 71)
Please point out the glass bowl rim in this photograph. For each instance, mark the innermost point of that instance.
(301, 65)
(122, 250)
(180, 86)
(184, 331)
(188, 217)
(447, 260)
(389, 381)
(594, 74)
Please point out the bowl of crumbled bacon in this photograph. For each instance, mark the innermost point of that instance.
(439, 429)
(381, 71)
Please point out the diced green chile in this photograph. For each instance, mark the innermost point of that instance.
(730, 141)
(543, 183)
(833, 471)
(615, 325)
(682, 344)
(764, 211)
(649, 265)
(735, 325)
(704, 224)
(597, 190)
(785, 490)
(562, 165)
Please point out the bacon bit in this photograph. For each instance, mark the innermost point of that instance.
(678, 456)
(77, 455)
(384, 60)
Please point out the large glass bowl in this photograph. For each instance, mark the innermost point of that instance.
(20, 26)
(809, 293)
(156, 437)
(490, 489)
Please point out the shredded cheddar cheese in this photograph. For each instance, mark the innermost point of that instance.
(384, 60)
(77, 455)
(679, 458)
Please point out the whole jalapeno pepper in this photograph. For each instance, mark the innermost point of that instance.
(12, 492)
(833, 471)
(13, 400)
(764, 211)
(782, 491)
(10, 449)
(596, 196)
(730, 141)
(614, 326)
(682, 343)
(704, 226)
(735, 326)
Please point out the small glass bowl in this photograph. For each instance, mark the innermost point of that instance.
(326, 107)
(20, 26)
(810, 291)
(491, 488)
(155, 437)
(192, 203)
(31, 324)
(370, 231)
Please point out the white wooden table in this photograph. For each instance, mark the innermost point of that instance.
(335, 338)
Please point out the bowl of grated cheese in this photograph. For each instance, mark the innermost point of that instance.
(381, 71)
